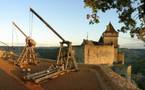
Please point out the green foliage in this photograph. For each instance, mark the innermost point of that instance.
(129, 12)
(136, 58)
(48, 52)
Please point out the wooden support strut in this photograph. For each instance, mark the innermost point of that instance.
(66, 57)
(28, 55)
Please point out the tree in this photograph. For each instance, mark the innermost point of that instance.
(129, 13)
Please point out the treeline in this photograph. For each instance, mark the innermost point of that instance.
(42, 52)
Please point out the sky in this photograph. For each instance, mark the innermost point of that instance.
(67, 17)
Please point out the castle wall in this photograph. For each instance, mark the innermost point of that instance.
(111, 40)
(120, 57)
(98, 54)
(114, 41)
(115, 54)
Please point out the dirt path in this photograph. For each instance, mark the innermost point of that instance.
(101, 80)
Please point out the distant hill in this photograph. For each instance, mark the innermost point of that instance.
(42, 52)
(136, 58)
(48, 52)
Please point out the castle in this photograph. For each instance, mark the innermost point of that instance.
(105, 51)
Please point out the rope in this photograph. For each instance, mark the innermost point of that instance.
(14, 33)
(30, 24)
(12, 37)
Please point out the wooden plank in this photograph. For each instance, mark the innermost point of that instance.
(47, 76)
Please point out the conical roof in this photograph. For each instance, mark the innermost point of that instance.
(110, 31)
(110, 28)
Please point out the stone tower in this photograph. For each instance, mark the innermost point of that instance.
(110, 36)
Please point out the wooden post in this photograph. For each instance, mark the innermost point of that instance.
(28, 56)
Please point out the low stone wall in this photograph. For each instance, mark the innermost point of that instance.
(120, 82)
